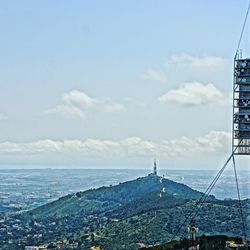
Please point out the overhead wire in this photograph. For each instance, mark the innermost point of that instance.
(206, 194)
(203, 198)
(193, 213)
(234, 165)
(242, 31)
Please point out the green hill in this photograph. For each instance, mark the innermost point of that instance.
(125, 216)
(109, 198)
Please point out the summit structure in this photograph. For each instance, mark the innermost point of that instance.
(241, 107)
(155, 168)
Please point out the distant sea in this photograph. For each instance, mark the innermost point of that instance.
(29, 188)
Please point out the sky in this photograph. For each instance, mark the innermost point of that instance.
(115, 84)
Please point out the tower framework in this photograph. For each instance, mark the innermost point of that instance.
(155, 168)
(241, 107)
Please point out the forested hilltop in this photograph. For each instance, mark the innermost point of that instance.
(143, 212)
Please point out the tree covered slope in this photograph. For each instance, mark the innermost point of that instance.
(146, 211)
(109, 198)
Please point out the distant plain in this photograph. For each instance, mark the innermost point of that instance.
(22, 189)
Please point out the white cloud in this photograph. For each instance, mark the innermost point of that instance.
(197, 63)
(114, 107)
(212, 143)
(188, 68)
(194, 94)
(3, 117)
(76, 104)
(69, 111)
(78, 98)
(155, 75)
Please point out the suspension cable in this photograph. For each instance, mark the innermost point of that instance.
(242, 31)
(204, 196)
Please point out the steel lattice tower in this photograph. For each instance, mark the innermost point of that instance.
(241, 107)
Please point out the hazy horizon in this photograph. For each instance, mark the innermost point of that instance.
(149, 169)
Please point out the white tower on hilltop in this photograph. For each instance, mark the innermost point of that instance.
(155, 167)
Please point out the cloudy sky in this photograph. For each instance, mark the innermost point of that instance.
(116, 83)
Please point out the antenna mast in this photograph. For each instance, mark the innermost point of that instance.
(155, 167)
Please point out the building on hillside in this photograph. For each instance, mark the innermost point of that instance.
(31, 248)
(232, 245)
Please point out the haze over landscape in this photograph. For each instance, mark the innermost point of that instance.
(115, 84)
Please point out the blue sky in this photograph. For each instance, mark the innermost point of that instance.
(117, 83)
